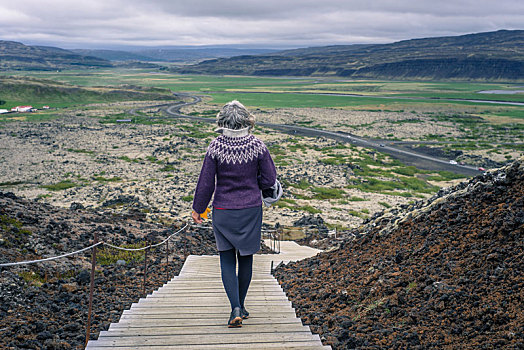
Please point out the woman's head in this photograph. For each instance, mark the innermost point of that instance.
(235, 116)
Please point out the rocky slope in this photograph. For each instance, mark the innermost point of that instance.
(44, 305)
(446, 275)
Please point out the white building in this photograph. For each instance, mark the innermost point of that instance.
(22, 109)
(3, 111)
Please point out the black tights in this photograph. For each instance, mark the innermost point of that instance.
(236, 286)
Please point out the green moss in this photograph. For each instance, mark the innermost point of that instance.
(296, 146)
(413, 184)
(62, 185)
(411, 285)
(130, 160)
(11, 183)
(408, 171)
(303, 184)
(276, 150)
(281, 204)
(327, 193)
(333, 160)
(103, 179)
(445, 176)
(153, 159)
(32, 278)
(80, 151)
(6, 221)
(309, 209)
(384, 204)
(301, 196)
(281, 160)
(109, 256)
(357, 214)
(188, 198)
(168, 167)
(288, 200)
(338, 227)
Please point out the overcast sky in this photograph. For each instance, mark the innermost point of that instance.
(267, 23)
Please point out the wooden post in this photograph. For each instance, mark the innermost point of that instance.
(145, 271)
(167, 261)
(91, 289)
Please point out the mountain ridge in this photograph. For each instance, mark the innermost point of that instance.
(182, 54)
(482, 56)
(17, 56)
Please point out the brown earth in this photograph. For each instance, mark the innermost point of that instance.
(446, 276)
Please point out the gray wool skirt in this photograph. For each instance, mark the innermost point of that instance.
(238, 229)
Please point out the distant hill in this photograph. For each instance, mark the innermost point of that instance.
(112, 55)
(17, 56)
(31, 91)
(171, 54)
(483, 56)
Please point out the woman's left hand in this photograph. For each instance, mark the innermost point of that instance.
(196, 217)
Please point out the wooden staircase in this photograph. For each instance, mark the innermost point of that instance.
(191, 312)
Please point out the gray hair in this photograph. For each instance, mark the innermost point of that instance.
(235, 116)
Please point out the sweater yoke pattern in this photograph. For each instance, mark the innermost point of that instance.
(233, 150)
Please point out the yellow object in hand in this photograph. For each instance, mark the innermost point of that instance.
(204, 214)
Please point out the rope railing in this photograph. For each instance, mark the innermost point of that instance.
(93, 264)
(51, 258)
(90, 247)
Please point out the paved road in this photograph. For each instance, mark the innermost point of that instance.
(419, 160)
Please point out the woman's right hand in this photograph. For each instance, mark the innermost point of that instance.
(196, 217)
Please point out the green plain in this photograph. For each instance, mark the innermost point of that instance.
(282, 92)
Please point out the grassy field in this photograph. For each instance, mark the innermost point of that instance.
(400, 95)
(50, 91)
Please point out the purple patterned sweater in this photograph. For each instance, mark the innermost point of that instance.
(235, 169)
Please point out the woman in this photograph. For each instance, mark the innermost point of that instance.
(237, 167)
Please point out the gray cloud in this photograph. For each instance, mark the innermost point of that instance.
(291, 23)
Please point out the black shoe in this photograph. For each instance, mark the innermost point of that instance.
(245, 314)
(235, 320)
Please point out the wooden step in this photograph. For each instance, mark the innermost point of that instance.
(145, 322)
(209, 339)
(247, 328)
(295, 345)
